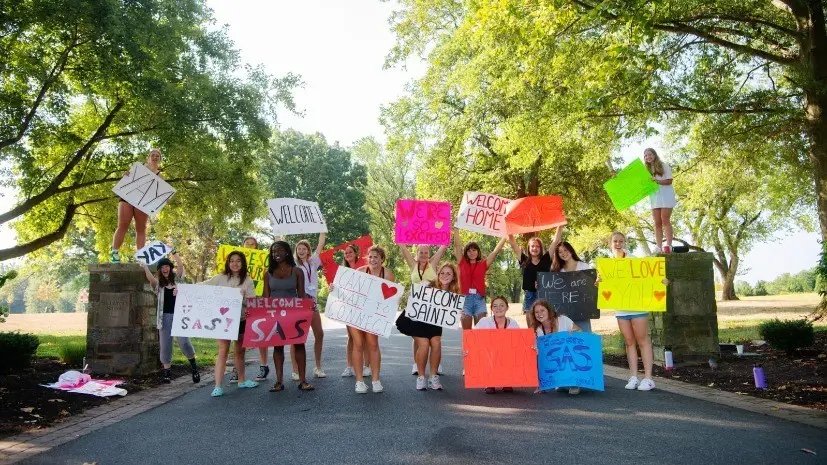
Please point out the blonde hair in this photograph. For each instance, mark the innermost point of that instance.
(453, 286)
(379, 250)
(305, 243)
(656, 167)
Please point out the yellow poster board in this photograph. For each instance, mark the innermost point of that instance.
(632, 284)
(256, 263)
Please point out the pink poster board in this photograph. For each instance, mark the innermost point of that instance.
(273, 321)
(423, 222)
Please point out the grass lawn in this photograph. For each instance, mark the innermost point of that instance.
(205, 349)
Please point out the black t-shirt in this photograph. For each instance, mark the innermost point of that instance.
(169, 300)
(530, 270)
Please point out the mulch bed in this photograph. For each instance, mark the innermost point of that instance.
(25, 405)
(797, 379)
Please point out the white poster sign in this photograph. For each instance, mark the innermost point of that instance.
(210, 312)
(144, 190)
(152, 252)
(482, 213)
(434, 306)
(364, 301)
(295, 216)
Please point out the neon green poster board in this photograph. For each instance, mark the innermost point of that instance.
(631, 185)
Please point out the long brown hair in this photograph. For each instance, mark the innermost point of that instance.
(528, 249)
(552, 314)
(453, 286)
(469, 246)
(557, 262)
(242, 273)
(656, 167)
(355, 249)
(305, 243)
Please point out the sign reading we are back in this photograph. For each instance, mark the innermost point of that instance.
(632, 284)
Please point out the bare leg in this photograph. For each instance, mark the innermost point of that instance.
(278, 363)
(436, 353)
(140, 229)
(479, 317)
(372, 343)
(318, 336)
(529, 319)
(238, 353)
(658, 228)
(349, 349)
(641, 329)
(466, 321)
(666, 219)
(221, 362)
(262, 356)
(300, 353)
(421, 354)
(124, 218)
(631, 344)
(357, 356)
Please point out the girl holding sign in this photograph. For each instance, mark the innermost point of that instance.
(285, 279)
(362, 339)
(547, 321)
(663, 200)
(355, 261)
(163, 283)
(423, 268)
(126, 212)
(472, 271)
(537, 261)
(498, 320)
(635, 329)
(566, 260)
(310, 265)
(234, 275)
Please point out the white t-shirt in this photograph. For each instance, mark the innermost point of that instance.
(311, 277)
(488, 323)
(580, 267)
(564, 323)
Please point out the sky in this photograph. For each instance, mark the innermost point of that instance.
(339, 49)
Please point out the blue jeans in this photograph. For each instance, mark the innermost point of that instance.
(584, 325)
(530, 298)
(474, 305)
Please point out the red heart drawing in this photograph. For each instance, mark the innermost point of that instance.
(659, 295)
(224, 310)
(388, 291)
(607, 294)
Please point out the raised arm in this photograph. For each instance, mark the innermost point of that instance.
(406, 254)
(179, 264)
(438, 257)
(493, 255)
(518, 252)
(558, 238)
(457, 246)
(152, 281)
(320, 245)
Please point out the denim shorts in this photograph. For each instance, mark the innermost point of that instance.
(474, 305)
(530, 298)
(584, 325)
(631, 317)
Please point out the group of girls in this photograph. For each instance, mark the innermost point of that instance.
(289, 276)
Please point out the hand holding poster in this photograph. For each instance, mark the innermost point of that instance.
(631, 185)
(423, 222)
(363, 301)
(570, 360)
(329, 261)
(277, 321)
(210, 312)
(632, 284)
(256, 263)
(144, 190)
(573, 294)
(499, 358)
(482, 213)
(152, 252)
(295, 216)
(434, 306)
(537, 213)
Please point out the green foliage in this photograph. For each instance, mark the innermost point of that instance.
(743, 288)
(16, 350)
(787, 335)
(4, 309)
(760, 288)
(72, 353)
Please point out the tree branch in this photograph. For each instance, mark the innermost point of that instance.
(745, 49)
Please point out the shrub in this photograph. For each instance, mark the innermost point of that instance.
(16, 350)
(787, 335)
(72, 353)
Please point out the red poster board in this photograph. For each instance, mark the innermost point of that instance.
(329, 262)
(277, 321)
(538, 213)
(500, 358)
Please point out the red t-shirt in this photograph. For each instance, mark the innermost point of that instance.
(472, 276)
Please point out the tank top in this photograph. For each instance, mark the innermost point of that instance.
(381, 273)
(287, 287)
(419, 276)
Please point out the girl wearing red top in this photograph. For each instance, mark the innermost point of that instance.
(472, 270)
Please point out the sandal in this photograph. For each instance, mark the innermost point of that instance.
(277, 387)
(306, 387)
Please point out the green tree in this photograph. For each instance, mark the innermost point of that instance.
(744, 288)
(87, 87)
(761, 288)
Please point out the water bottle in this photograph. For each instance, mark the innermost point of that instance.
(667, 357)
(758, 375)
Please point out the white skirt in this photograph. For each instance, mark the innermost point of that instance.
(664, 197)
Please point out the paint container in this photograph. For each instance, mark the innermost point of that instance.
(667, 357)
(758, 375)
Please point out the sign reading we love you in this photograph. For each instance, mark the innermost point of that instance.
(423, 222)
(210, 312)
(295, 216)
(570, 360)
(632, 284)
(363, 301)
(482, 213)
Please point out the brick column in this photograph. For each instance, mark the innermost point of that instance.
(121, 336)
(690, 325)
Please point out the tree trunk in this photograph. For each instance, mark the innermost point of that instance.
(814, 58)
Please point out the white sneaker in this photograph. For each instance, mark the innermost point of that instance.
(366, 371)
(294, 376)
(361, 387)
(632, 384)
(414, 370)
(348, 372)
(574, 391)
(434, 383)
(646, 385)
(377, 386)
(420, 384)
(439, 370)
(319, 373)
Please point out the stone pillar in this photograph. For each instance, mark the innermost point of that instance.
(690, 324)
(121, 336)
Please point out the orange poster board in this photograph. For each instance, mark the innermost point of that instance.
(328, 256)
(500, 358)
(538, 213)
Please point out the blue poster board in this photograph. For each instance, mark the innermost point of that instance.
(570, 360)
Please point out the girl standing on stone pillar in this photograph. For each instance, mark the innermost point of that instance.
(663, 200)
(126, 212)
(164, 286)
